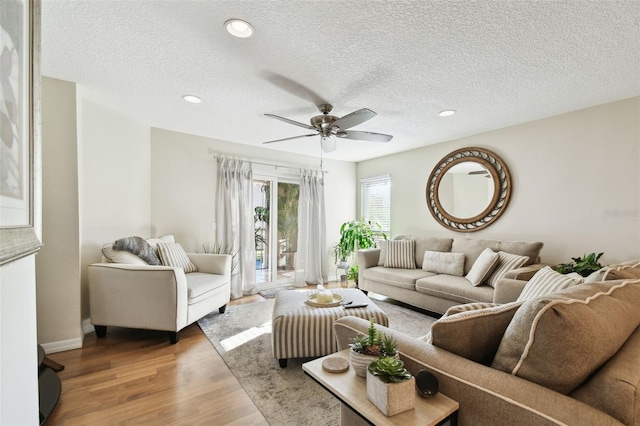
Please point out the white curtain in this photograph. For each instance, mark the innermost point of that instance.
(234, 221)
(311, 229)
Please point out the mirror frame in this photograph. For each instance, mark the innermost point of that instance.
(501, 194)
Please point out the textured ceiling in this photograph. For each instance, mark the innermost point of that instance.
(498, 63)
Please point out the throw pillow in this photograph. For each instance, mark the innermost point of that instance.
(121, 256)
(623, 272)
(546, 281)
(443, 263)
(482, 267)
(172, 254)
(558, 341)
(139, 247)
(382, 244)
(469, 307)
(474, 334)
(401, 254)
(506, 263)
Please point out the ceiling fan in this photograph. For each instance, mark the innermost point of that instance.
(328, 126)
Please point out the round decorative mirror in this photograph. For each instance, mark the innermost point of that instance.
(468, 189)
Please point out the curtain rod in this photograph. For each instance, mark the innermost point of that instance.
(216, 156)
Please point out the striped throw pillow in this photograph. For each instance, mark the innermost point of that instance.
(546, 281)
(172, 254)
(401, 254)
(506, 263)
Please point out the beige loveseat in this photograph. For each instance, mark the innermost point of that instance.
(125, 291)
(435, 291)
(570, 358)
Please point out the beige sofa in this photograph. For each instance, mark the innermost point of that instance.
(437, 292)
(566, 359)
(127, 292)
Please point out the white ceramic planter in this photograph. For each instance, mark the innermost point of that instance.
(391, 398)
(360, 362)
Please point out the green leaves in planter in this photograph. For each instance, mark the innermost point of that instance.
(584, 266)
(389, 370)
(374, 343)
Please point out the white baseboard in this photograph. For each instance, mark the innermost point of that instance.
(87, 327)
(61, 346)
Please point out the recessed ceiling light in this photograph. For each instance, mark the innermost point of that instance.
(446, 113)
(239, 28)
(192, 98)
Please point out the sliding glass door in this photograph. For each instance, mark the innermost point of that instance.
(276, 229)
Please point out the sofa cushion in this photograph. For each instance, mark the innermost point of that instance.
(431, 244)
(174, 255)
(400, 254)
(470, 307)
(153, 242)
(474, 334)
(402, 278)
(201, 286)
(615, 388)
(473, 247)
(558, 341)
(383, 252)
(456, 289)
(483, 267)
(507, 262)
(121, 256)
(546, 281)
(443, 263)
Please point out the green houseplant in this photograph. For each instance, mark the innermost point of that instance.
(390, 386)
(353, 274)
(357, 234)
(584, 266)
(368, 348)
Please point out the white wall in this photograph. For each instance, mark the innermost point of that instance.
(58, 262)
(18, 343)
(183, 189)
(115, 196)
(576, 183)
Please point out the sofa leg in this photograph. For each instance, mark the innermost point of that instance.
(222, 309)
(101, 330)
(174, 337)
(282, 362)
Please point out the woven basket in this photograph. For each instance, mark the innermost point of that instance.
(391, 398)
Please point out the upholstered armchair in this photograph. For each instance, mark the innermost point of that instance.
(125, 292)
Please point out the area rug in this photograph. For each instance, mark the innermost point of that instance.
(271, 293)
(284, 396)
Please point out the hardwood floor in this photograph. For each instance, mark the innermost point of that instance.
(137, 377)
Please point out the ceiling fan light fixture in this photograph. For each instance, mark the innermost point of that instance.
(239, 28)
(328, 143)
(192, 99)
(446, 113)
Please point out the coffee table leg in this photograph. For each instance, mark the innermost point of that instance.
(283, 362)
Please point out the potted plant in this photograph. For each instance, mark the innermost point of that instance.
(390, 387)
(584, 266)
(356, 234)
(368, 348)
(353, 274)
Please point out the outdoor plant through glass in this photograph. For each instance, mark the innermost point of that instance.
(357, 234)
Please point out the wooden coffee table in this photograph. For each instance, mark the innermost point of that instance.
(351, 390)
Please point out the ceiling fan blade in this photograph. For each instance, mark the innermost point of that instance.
(364, 136)
(353, 119)
(478, 172)
(295, 123)
(293, 137)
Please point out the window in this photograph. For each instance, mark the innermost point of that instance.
(375, 202)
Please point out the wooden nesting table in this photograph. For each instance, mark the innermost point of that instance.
(356, 409)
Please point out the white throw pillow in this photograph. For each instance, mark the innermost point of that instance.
(443, 263)
(482, 267)
(546, 281)
(506, 262)
(401, 254)
(382, 244)
(172, 254)
(121, 256)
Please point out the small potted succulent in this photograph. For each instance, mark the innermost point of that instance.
(368, 348)
(390, 386)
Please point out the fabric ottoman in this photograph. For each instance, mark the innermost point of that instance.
(300, 331)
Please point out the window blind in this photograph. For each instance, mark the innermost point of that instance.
(375, 201)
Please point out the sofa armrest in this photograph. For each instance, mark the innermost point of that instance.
(138, 296)
(525, 273)
(219, 264)
(368, 258)
(486, 396)
(507, 290)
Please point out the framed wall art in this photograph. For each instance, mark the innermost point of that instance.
(19, 129)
